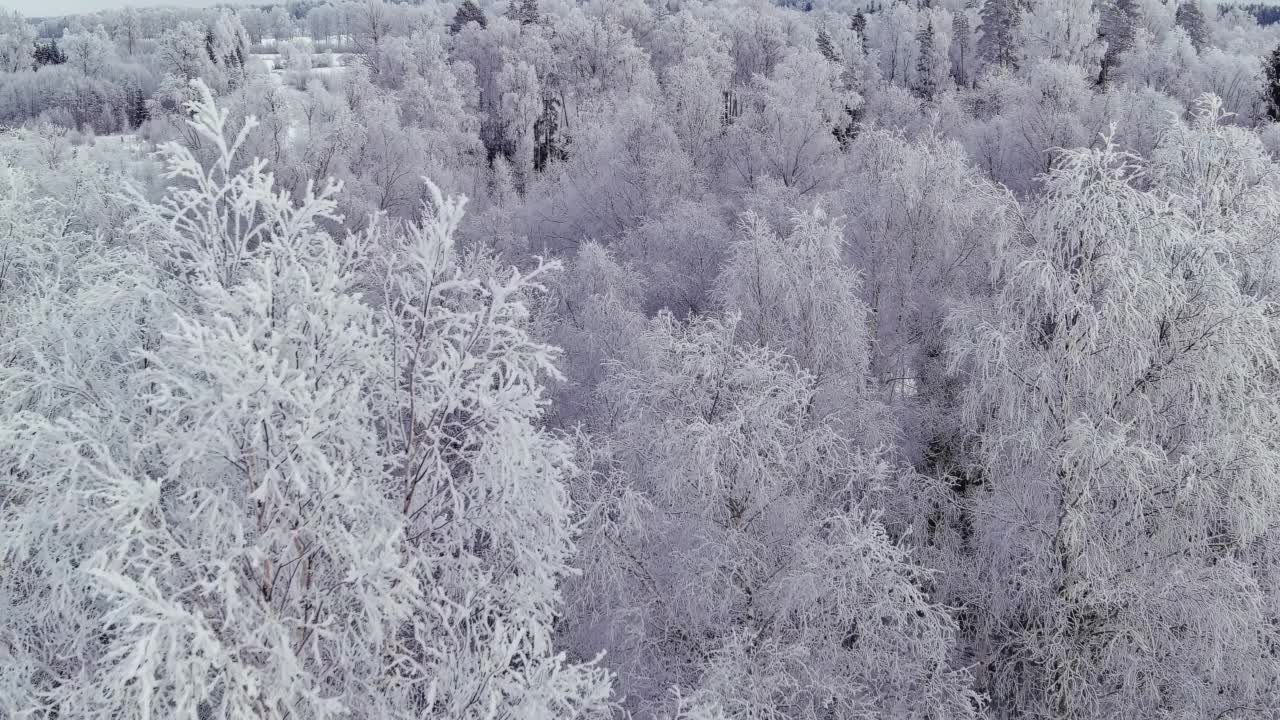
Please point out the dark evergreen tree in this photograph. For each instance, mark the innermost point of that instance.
(1191, 19)
(208, 47)
(859, 25)
(959, 38)
(845, 130)
(468, 11)
(1265, 13)
(524, 12)
(1118, 26)
(826, 47)
(926, 84)
(48, 54)
(1272, 92)
(137, 111)
(1000, 20)
(548, 144)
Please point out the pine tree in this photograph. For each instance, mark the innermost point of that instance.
(1118, 26)
(1000, 20)
(467, 12)
(524, 12)
(960, 40)
(1271, 93)
(826, 47)
(548, 145)
(209, 48)
(858, 23)
(1190, 17)
(926, 84)
(49, 54)
(137, 112)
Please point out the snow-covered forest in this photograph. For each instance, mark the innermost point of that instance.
(651, 359)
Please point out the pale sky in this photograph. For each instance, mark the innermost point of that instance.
(52, 8)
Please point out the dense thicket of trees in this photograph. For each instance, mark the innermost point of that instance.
(1265, 13)
(798, 360)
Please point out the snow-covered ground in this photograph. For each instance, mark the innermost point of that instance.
(322, 64)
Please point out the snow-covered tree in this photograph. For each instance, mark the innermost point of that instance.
(788, 133)
(280, 24)
(893, 35)
(127, 30)
(284, 499)
(1118, 25)
(680, 253)
(1190, 17)
(1168, 66)
(964, 42)
(1123, 394)
(758, 39)
(1271, 93)
(227, 43)
(467, 12)
(182, 54)
(1219, 174)
(795, 295)
(524, 12)
(1047, 106)
(74, 304)
(852, 284)
(999, 28)
(295, 56)
(1065, 30)
(520, 108)
(88, 52)
(694, 91)
(728, 553)
(17, 42)
(596, 321)
(933, 60)
(479, 483)
(918, 225)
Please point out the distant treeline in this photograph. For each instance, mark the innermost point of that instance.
(1266, 13)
